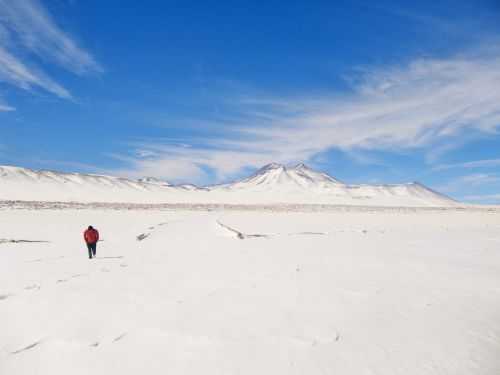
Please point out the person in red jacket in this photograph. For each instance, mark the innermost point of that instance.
(91, 236)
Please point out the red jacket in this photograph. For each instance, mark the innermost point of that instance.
(91, 236)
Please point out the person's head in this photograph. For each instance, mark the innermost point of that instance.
(91, 227)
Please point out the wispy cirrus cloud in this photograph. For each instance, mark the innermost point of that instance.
(29, 35)
(36, 31)
(472, 183)
(403, 107)
(15, 72)
(487, 163)
(4, 107)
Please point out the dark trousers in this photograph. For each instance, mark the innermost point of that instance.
(92, 249)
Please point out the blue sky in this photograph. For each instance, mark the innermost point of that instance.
(204, 92)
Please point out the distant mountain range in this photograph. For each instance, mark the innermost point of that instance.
(272, 184)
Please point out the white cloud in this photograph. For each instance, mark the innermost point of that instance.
(395, 108)
(487, 163)
(176, 171)
(37, 32)
(28, 30)
(480, 179)
(470, 181)
(13, 71)
(180, 164)
(4, 107)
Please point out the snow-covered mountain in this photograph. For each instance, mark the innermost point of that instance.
(272, 184)
(274, 177)
(286, 182)
(19, 175)
(153, 181)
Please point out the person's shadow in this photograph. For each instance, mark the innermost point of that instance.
(118, 257)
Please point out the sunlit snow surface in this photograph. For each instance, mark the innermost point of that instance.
(339, 291)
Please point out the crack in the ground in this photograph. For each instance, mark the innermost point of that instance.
(32, 287)
(241, 235)
(118, 338)
(143, 236)
(7, 240)
(31, 346)
(308, 234)
(44, 259)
